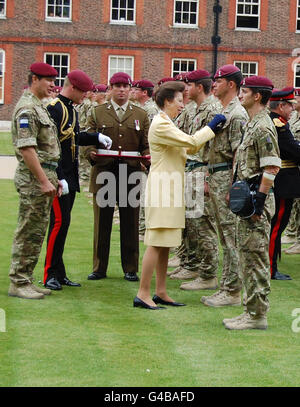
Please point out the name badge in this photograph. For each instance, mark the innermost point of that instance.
(137, 125)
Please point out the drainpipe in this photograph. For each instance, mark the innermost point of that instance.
(216, 39)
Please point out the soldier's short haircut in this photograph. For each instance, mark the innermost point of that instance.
(274, 104)
(206, 83)
(236, 77)
(30, 75)
(265, 95)
(167, 92)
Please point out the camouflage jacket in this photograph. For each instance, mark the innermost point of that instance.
(32, 126)
(223, 146)
(203, 115)
(151, 109)
(294, 123)
(259, 147)
(182, 121)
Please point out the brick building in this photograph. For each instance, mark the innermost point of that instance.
(146, 38)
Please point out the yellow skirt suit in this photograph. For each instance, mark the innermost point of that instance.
(164, 195)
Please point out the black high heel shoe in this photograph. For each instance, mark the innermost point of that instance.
(137, 302)
(159, 300)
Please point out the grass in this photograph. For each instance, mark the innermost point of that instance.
(6, 147)
(92, 336)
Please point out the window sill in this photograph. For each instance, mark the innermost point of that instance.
(132, 23)
(191, 27)
(2, 17)
(247, 29)
(57, 20)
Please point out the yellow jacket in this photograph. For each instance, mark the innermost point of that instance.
(169, 146)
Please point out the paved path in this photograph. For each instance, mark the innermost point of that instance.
(8, 165)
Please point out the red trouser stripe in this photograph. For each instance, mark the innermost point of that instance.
(53, 235)
(274, 233)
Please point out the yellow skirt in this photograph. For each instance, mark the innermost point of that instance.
(163, 237)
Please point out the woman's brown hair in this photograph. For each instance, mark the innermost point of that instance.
(167, 91)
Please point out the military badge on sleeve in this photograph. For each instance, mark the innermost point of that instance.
(24, 123)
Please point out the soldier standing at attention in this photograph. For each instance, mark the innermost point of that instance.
(200, 236)
(257, 161)
(37, 149)
(287, 182)
(221, 153)
(127, 125)
(64, 115)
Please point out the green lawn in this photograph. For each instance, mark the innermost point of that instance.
(6, 147)
(92, 336)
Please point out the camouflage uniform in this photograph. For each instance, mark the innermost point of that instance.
(32, 127)
(258, 150)
(84, 111)
(200, 234)
(221, 152)
(293, 228)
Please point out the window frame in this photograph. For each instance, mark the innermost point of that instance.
(109, 74)
(122, 22)
(245, 15)
(298, 18)
(4, 10)
(58, 19)
(3, 75)
(59, 81)
(182, 60)
(296, 76)
(186, 25)
(247, 62)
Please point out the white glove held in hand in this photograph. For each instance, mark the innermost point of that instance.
(105, 140)
(65, 187)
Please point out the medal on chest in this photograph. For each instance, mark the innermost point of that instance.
(137, 125)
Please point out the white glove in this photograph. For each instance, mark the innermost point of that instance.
(65, 187)
(105, 140)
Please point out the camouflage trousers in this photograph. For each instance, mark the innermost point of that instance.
(293, 227)
(33, 217)
(253, 243)
(84, 166)
(142, 225)
(200, 251)
(219, 183)
(31, 228)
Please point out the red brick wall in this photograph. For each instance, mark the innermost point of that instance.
(153, 40)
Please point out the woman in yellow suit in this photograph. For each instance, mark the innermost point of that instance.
(164, 202)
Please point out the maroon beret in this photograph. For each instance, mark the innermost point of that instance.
(163, 80)
(195, 76)
(257, 82)
(100, 88)
(80, 80)
(226, 70)
(297, 91)
(57, 89)
(120, 77)
(283, 95)
(144, 84)
(181, 76)
(43, 69)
